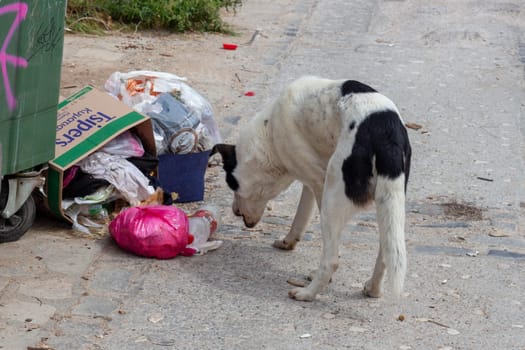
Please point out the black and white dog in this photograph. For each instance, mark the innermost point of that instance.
(348, 146)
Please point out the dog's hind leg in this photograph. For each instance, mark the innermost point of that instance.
(390, 204)
(300, 222)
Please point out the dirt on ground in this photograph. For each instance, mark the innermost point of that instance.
(222, 76)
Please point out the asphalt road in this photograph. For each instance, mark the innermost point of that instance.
(456, 68)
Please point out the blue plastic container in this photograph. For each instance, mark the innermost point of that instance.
(184, 175)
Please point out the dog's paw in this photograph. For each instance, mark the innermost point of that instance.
(312, 274)
(284, 244)
(371, 291)
(301, 294)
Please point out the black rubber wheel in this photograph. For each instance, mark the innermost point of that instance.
(14, 227)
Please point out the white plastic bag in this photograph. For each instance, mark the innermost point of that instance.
(127, 179)
(140, 89)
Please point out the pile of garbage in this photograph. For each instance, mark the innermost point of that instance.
(115, 175)
(117, 188)
(182, 118)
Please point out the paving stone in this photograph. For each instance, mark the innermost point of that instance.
(274, 220)
(437, 250)
(447, 225)
(20, 267)
(66, 258)
(77, 333)
(3, 283)
(22, 311)
(307, 237)
(505, 226)
(54, 288)
(95, 306)
(117, 280)
(506, 254)
(15, 336)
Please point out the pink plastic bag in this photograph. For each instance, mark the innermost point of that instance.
(156, 231)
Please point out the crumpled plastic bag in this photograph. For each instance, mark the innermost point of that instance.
(127, 178)
(140, 90)
(156, 231)
(88, 213)
(136, 87)
(126, 144)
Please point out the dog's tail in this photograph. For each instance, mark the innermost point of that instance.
(390, 202)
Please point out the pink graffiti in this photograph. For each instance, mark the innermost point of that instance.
(21, 10)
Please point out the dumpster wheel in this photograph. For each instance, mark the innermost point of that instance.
(14, 227)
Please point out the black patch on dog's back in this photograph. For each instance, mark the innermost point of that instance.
(355, 87)
(382, 135)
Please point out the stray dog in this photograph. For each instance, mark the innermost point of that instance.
(348, 146)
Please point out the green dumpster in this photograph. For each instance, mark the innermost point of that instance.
(31, 37)
(31, 44)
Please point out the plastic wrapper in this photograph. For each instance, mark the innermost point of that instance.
(156, 231)
(127, 179)
(127, 144)
(88, 213)
(148, 92)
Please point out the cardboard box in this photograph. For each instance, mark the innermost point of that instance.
(86, 121)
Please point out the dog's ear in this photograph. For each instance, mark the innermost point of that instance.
(229, 161)
(227, 152)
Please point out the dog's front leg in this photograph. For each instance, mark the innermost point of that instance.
(300, 222)
(331, 230)
(335, 211)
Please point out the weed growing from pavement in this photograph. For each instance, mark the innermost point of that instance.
(99, 16)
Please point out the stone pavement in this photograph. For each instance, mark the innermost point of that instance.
(454, 67)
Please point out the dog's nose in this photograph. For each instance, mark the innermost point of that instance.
(248, 224)
(237, 212)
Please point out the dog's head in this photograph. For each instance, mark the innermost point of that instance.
(252, 183)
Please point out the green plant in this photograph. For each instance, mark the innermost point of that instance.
(175, 15)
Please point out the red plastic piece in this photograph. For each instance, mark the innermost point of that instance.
(227, 46)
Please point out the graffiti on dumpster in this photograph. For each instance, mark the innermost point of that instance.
(47, 36)
(20, 9)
